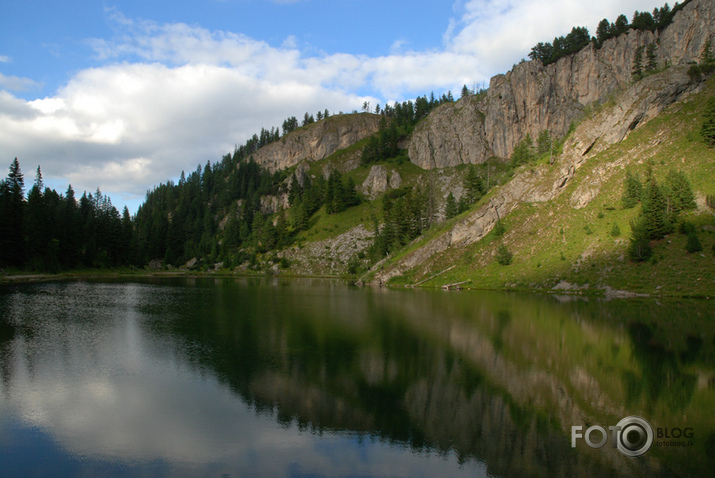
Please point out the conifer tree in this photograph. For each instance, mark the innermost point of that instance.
(637, 70)
(679, 194)
(35, 226)
(632, 190)
(12, 250)
(639, 249)
(707, 130)
(473, 185)
(504, 257)
(693, 244)
(655, 210)
(451, 208)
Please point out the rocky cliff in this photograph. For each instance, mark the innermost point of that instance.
(532, 97)
(317, 141)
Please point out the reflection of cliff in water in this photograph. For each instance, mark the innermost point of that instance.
(495, 377)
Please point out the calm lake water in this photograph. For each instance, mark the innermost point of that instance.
(275, 377)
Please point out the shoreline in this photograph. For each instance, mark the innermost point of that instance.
(608, 293)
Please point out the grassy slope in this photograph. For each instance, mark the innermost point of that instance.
(540, 234)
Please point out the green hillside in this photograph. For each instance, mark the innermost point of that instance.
(552, 242)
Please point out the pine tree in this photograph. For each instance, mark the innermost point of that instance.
(679, 194)
(12, 250)
(504, 257)
(351, 195)
(615, 230)
(693, 245)
(451, 208)
(544, 142)
(637, 70)
(639, 249)
(655, 210)
(524, 152)
(632, 190)
(707, 130)
(35, 227)
(603, 32)
(651, 60)
(473, 185)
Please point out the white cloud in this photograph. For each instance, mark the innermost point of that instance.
(15, 83)
(5, 59)
(501, 32)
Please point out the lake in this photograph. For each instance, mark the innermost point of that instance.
(311, 377)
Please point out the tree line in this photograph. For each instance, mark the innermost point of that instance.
(397, 122)
(661, 207)
(579, 37)
(51, 232)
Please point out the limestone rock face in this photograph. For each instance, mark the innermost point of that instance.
(452, 135)
(380, 180)
(636, 104)
(317, 141)
(532, 97)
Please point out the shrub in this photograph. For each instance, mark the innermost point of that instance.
(504, 257)
(693, 245)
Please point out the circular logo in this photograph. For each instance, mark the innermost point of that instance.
(634, 436)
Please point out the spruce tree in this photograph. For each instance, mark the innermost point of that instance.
(707, 130)
(36, 217)
(637, 70)
(693, 245)
(679, 194)
(651, 60)
(451, 208)
(655, 210)
(632, 190)
(12, 250)
(473, 185)
(504, 257)
(639, 249)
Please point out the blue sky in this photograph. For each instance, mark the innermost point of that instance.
(123, 95)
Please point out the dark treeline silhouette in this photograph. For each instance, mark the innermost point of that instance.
(50, 231)
(579, 37)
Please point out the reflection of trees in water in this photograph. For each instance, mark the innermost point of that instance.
(7, 334)
(662, 378)
(433, 371)
(386, 378)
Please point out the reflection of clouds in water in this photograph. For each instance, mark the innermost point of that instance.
(106, 390)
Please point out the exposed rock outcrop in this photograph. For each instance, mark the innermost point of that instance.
(380, 180)
(638, 104)
(532, 97)
(317, 141)
(329, 256)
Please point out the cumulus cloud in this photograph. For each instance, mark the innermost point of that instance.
(501, 32)
(15, 83)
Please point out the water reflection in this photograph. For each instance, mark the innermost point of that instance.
(276, 377)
